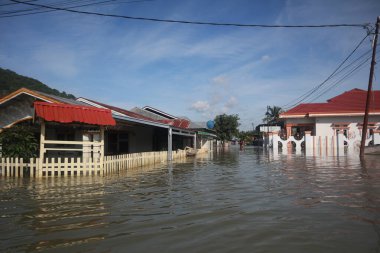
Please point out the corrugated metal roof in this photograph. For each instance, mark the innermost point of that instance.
(352, 101)
(65, 113)
(178, 123)
(123, 111)
(147, 113)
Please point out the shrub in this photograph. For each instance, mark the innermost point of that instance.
(19, 141)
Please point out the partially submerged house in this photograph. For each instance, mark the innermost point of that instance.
(205, 136)
(64, 127)
(141, 133)
(88, 129)
(344, 112)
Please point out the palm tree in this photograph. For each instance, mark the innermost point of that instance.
(273, 114)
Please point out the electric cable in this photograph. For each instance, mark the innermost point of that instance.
(191, 22)
(303, 97)
(26, 12)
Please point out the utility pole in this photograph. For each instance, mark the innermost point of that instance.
(369, 92)
(267, 119)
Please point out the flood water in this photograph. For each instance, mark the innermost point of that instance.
(233, 201)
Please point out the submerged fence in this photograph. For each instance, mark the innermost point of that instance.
(312, 144)
(16, 167)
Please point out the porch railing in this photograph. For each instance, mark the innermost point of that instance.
(16, 167)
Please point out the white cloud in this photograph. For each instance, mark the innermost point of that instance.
(265, 58)
(200, 106)
(231, 102)
(220, 80)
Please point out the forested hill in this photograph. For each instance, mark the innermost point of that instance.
(11, 81)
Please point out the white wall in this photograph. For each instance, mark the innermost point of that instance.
(323, 124)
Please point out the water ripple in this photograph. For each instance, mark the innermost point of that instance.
(235, 201)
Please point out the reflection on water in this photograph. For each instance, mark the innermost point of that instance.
(233, 201)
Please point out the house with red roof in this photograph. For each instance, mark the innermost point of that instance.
(145, 133)
(84, 128)
(205, 136)
(64, 127)
(343, 112)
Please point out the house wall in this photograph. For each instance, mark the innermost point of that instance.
(323, 124)
(59, 132)
(207, 144)
(140, 139)
(16, 109)
(300, 121)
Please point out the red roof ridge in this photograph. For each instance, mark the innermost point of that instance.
(352, 91)
(352, 101)
(85, 107)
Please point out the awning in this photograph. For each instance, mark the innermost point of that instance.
(67, 113)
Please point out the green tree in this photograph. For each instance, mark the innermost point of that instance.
(18, 141)
(11, 81)
(226, 126)
(272, 114)
(246, 136)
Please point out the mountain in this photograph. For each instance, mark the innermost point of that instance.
(11, 81)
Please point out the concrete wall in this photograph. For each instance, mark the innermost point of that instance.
(323, 125)
(208, 144)
(300, 121)
(140, 139)
(16, 109)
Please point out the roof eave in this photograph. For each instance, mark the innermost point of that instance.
(140, 121)
(293, 116)
(30, 93)
(342, 114)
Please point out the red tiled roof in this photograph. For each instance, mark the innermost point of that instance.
(349, 102)
(65, 113)
(179, 123)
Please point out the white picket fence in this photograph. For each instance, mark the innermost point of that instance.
(121, 162)
(16, 167)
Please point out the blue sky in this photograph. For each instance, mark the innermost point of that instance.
(191, 70)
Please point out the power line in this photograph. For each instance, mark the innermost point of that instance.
(27, 12)
(192, 22)
(346, 76)
(368, 53)
(14, 3)
(56, 4)
(351, 73)
(306, 95)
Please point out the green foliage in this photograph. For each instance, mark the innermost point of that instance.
(226, 126)
(11, 81)
(19, 141)
(246, 136)
(272, 114)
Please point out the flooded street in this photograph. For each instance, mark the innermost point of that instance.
(235, 201)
